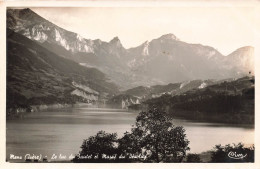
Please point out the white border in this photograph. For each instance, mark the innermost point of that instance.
(122, 3)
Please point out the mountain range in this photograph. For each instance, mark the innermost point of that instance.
(157, 62)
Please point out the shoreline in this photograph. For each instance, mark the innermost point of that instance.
(14, 113)
(20, 112)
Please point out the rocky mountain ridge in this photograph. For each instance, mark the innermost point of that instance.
(159, 61)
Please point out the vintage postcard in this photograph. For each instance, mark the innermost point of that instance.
(130, 82)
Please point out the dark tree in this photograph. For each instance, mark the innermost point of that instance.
(156, 137)
(153, 137)
(95, 146)
(193, 158)
(129, 144)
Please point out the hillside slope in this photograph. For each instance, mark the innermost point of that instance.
(226, 102)
(37, 76)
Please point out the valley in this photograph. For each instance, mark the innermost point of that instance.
(48, 65)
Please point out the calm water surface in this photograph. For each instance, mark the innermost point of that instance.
(62, 132)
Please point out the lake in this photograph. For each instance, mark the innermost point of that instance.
(62, 132)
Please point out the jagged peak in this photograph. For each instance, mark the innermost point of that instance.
(25, 14)
(169, 36)
(115, 39)
(98, 41)
(21, 11)
(26, 10)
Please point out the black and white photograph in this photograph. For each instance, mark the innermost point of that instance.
(130, 84)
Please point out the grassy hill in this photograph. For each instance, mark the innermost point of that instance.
(226, 102)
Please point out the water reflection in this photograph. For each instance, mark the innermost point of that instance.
(62, 132)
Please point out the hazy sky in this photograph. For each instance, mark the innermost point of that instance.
(224, 28)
